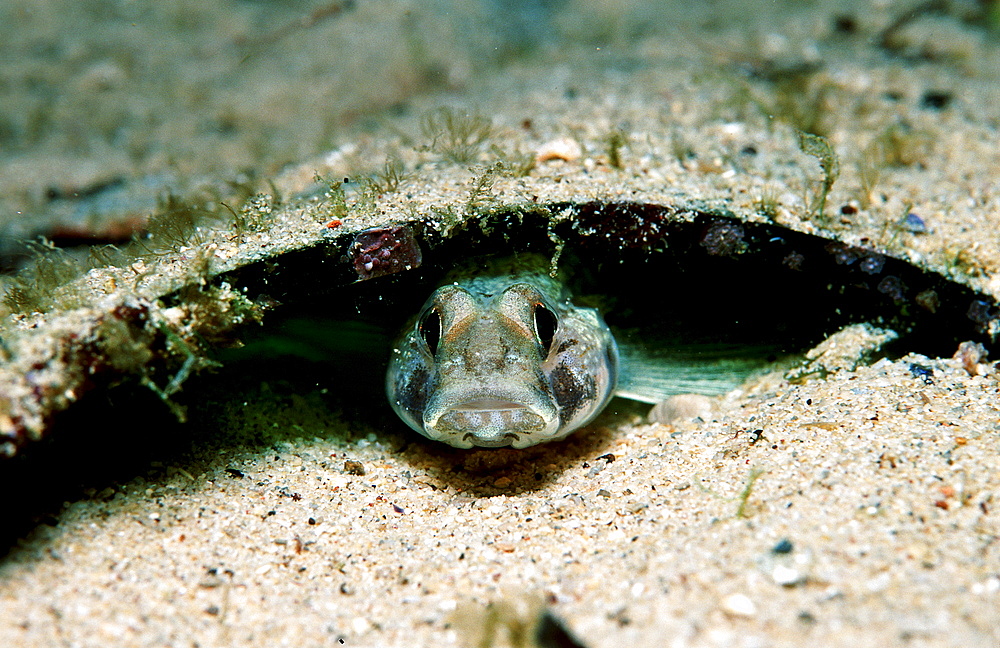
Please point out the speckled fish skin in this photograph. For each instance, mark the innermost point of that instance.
(502, 360)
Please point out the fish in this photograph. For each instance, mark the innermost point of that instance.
(502, 358)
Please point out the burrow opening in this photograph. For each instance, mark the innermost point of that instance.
(661, 279)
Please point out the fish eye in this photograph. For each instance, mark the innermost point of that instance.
(545, 325)
(430, 330)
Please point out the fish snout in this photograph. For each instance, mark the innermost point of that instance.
(492, 421)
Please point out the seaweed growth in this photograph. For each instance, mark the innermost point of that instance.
(176, 225)
(897, 146)
(335, 197)
(389, 177)
(479, 195)
(614, 142)
(900, 145)
(458, 138)
(799, 94)
(804, 103)
(819, 147)
(253, 216)
(744, 497)
(767, 203)
(33, 288)
(104, 256)
(51, 278)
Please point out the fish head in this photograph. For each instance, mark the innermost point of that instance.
(501, 366)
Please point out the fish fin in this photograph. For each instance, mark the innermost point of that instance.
(709, 369)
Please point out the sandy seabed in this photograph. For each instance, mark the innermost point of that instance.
(856, 510)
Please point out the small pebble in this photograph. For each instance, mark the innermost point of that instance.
(872, 264)
(989, 586)
(913, 224)
(354, 467)
(724, 238)
(971, 354)
(793, 261)
(784, 546)
(682, 407)
(935, 99)
(929, 300)
(739, 605)
(502, 482)
(787, 576)
(980, 312)
(922, 372)
(563, 148)
(893, 287)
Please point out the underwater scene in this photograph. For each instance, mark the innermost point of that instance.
(536, 323)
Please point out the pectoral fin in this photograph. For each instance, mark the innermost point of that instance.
(711, 369)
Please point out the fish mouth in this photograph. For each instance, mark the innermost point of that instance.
(489, 422)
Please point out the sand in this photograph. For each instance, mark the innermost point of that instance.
(859, 509)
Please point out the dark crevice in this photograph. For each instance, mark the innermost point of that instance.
(660, 274)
